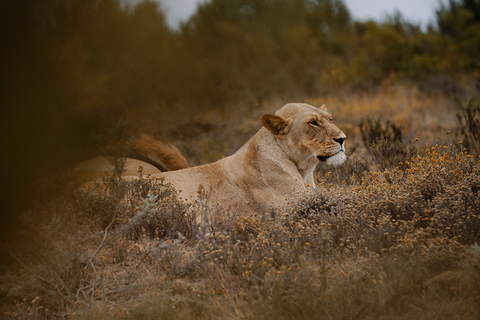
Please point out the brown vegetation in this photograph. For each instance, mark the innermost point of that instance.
(391, 234)
(401, 242)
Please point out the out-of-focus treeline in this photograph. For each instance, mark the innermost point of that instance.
(72, 69)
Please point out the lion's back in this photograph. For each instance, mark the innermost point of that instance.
(93, 170)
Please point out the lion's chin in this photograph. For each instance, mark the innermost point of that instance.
(335, 160)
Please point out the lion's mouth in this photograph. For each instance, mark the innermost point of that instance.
(325, 158)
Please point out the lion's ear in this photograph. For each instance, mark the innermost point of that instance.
(275, 124)
(323, 107)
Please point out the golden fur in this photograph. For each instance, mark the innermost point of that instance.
(158, 154)
(148, 155)
(87, 172)
(275, 163)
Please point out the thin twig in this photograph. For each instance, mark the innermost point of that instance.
(145, 256)
(90, 261)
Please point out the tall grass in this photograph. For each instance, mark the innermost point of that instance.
(392, 241)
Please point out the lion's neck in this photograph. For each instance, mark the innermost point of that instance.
(264, 150)
(305, 166)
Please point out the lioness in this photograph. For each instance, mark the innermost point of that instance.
(275, 163)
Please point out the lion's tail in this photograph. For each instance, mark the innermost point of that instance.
(151, 150)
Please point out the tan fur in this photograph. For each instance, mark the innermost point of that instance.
(88, 172)
(275, 163)
(148, 155)
(165, 157)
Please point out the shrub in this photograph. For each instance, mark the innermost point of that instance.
(469, 120)
(350, 173)
(385, 245)
(384, 142)
(373, 131)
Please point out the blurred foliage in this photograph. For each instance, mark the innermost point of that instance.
(85, 63)
(469, 119)
(72, 70)
(460, 21)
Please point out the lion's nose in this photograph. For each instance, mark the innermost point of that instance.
(340, 140)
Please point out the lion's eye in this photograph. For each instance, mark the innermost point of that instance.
(314, 123)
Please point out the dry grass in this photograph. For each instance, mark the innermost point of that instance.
(395, 243)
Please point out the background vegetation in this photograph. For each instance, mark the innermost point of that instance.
(393, 233)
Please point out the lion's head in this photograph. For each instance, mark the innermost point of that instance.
(307, 134)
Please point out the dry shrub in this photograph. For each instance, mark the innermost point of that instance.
(81, 234)
(51, 273)
(409, 238)
(384, 142)
(350, 173)
(397, 244)
(469, 120)
(373, 131)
